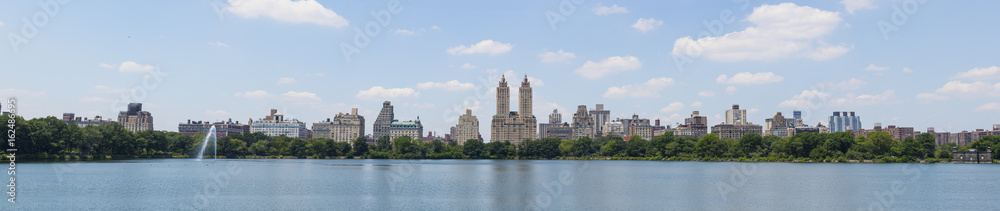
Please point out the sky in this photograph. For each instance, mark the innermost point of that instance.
(908, 63)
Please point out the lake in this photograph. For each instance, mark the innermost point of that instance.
(300, 184)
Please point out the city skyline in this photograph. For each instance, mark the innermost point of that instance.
(241, 62)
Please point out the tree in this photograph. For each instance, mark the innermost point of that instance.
(749, 144)
(882, 142)
(636, 146)
(402, 145)
(927, 141)
(360, 147)
(473, 148)
(612, 148)
(383, 144)
(549, 147)
(710, 146)
(583, 146)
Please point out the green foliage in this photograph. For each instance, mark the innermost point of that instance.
(749, 144)
(474, 148)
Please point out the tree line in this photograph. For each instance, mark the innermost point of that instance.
(51, 138)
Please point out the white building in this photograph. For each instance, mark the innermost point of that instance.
(276, 125)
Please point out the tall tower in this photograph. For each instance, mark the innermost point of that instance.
(503, 97)
(525, 95)
(383, 121)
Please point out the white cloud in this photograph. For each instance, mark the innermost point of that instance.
(812, 99)
(94, 100)
(731, 89)
(746, 78)
(779, 31)
(706, 93)
(486, 46)
(300, 97)
(605, 10)
(217, 113)
(696, 104)
(107, 66)
(282, 81)
(989, 107)
(907, 70)
(435, 27)
(468, 66)
(885, 98)
(404, 32)
(452, 85)
(873, 67)
(850, 84)
(219, 44)
(1, 23)
(380, 93)
(673, 107)
(649, 89)
(259, 94)
(557, 57)
(961, 89)
(646, 24)
(852, 5)
(12, 92)
(302, 11)
(132, 67)
(986, 73)
(806, 99)
(611, 65)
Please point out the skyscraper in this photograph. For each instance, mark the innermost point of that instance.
(842, 121)
(736, 115)
(555, 120)
(510, 125)
(384, 121)
(601, 116)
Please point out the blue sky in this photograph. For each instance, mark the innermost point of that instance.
(936, 66)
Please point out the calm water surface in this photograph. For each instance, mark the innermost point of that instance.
(172, 184)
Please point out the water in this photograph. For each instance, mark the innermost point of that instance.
(204, 143)
(298, 184)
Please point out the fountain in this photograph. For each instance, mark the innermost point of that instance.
(204, 143)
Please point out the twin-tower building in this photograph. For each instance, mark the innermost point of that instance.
(513, 126)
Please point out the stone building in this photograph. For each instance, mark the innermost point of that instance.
(467, 128)
(583, 123)
(510, 125)
(343, 127)
(135, 119)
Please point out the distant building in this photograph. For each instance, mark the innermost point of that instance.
(898, 133)
(412, 128)
(583, 123)
(736, 115)
(735, 132)
(384, 121)
(601, 116)
(509, 125)
(967, 137)
(343, 127)
(555, 120)
(562, 131)
(71, 118)
(779, 126)
(842, 121)
(634, 126)
(135, 119)
(222, 128)
(616, 128)
(467, 128)
(695, 126)
(276, 125)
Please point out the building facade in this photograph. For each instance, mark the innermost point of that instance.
(412, 128)
(384, 121)
(583, 123)
(71, 118)
(736, 115)
(467, 128)
(276, 125)
(509, 125)
(555, 120)
(135, 119)
(779, 126)
(695, 126)
(222, 128)
(842, 121)
(343, 127)
(735, 132)
(601, 116)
